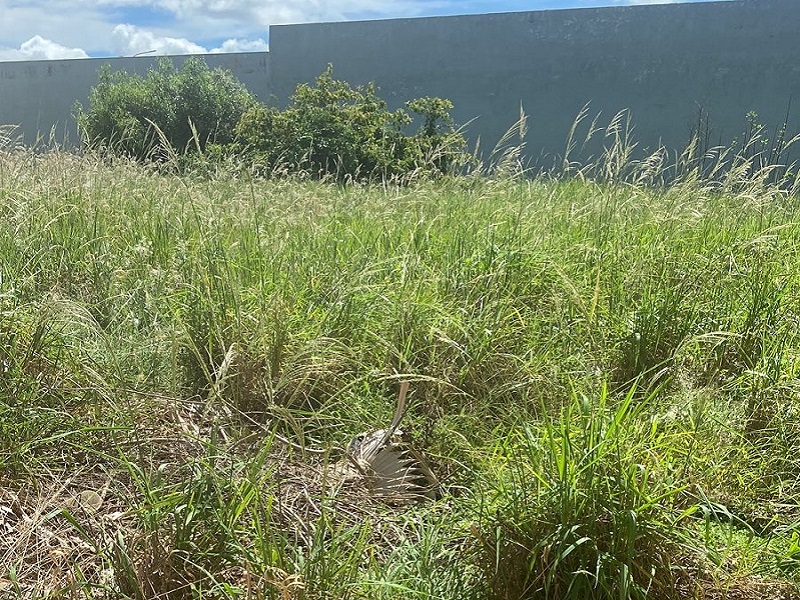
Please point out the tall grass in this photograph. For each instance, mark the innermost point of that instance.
(603, 371)
(584, 506)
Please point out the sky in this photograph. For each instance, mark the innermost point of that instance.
(55, 29)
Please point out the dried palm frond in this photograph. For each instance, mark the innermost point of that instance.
(387, 463)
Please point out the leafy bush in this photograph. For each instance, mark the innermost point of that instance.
(333, 129)
(191, 106)
(438, 139)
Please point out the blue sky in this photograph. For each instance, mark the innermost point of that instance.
(52, 29)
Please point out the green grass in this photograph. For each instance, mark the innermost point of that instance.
(604, 377)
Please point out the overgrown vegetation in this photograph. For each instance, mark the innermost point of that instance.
(603, 375)
(603, 366)
(333, 129)
(329, 129)
(168, 110)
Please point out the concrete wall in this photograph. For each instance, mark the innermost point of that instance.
(39, 96)
(663, 62)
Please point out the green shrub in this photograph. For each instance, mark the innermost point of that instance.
(191, 106)
(438, 141)
(333, 129)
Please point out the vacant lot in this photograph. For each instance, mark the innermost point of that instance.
(604, 378)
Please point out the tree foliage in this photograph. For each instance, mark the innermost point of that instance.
(187, 108)
(333, 129)
(328, 129)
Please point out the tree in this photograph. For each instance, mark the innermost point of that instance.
(186, 108)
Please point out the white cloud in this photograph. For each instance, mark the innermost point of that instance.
(69, 24)
(110, 27)
(39, 48)
(237, 45)
(203, 18)
(133, 40)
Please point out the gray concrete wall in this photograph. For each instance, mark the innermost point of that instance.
(663, 62)
(39, 96)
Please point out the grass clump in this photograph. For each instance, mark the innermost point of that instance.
(581, 507)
